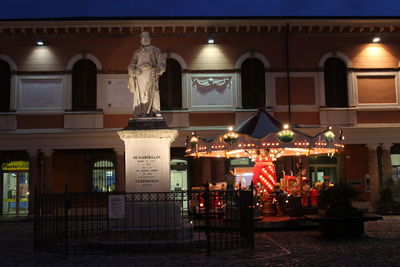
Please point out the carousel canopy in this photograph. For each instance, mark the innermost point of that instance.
(259, 125)
(262, 131)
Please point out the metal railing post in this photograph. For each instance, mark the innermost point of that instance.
(251, 224)
(207, 212)
(35, 228)
(66, 206)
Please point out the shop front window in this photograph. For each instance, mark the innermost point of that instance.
(15, 187)
(322, 168)
(395, 167)
(243, 170)
(103, 176)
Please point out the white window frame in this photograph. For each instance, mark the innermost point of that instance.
(284, 108)
(394, 74)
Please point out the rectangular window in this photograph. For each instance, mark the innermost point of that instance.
(103, 176)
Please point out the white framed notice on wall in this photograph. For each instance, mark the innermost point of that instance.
(211, 90)
(41, 93)
(118, 95)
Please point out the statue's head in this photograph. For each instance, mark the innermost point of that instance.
(145, 38)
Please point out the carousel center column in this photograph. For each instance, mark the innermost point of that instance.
(147, 154)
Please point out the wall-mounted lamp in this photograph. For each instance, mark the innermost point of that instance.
(211, 40)
(376, 40)
(40, 43)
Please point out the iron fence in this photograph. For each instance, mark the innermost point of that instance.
(112, 223)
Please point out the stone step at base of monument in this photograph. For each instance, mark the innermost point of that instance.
(101, 246)
(199, 238)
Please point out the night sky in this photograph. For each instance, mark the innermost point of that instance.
(16, 9)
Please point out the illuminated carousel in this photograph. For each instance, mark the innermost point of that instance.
(262, 131)
(264, 139)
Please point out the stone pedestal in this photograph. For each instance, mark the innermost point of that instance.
(147, 154)
(154, 214)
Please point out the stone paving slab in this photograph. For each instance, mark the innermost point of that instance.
(378, 247)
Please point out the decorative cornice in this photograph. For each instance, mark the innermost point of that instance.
(196, 26)
(270, 70)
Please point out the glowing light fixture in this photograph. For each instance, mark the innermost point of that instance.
(211, 41)
(286, 136)
(376, 40)
(40, 43)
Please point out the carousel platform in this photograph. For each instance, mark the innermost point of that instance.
(282, 223)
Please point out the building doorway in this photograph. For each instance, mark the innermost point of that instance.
(15, 188)
(179, 175)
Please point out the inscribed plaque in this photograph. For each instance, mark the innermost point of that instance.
(41, 94)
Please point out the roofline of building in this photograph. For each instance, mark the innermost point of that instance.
(190, 18)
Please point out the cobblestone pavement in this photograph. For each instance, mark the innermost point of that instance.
(378, 247)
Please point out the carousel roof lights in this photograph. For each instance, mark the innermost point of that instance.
(194, 139)
(262, 131)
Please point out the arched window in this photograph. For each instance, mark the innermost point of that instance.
(170, 85)
(253, 83)
(84, 85)
(335, 76)
(5, 86)
(103, 176)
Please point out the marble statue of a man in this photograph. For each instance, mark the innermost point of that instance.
(146, 65)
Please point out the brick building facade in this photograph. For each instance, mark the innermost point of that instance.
(62, 102)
